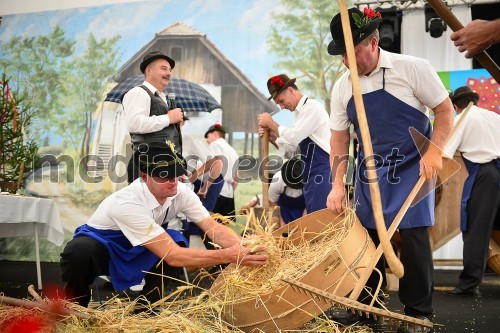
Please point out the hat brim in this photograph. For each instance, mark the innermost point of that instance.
(337, 47)
(463, 95)
(286, 85)
(146, 62)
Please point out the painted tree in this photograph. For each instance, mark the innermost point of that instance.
(89, 75)
(299, 37)
(36, 66)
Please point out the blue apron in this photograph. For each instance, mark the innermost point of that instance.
(127, 262)
(291, 208)
(213, 194)
(316, 175)
(396, 159)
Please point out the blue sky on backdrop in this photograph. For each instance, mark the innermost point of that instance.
(238, 28)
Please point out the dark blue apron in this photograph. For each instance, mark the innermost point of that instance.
(127, 262)
(396, 159)
(213, 194)
(316, 175)
(291, 208)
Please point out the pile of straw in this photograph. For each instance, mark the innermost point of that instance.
(286, 259)
(203, 311)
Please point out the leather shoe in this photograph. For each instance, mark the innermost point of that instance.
(464, 292)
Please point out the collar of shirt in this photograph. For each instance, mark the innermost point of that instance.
(301, 103)
(383, 62)
(151, 201)
(154, 90)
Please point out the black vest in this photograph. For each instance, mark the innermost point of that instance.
(157, 139)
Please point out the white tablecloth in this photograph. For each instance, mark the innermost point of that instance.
(18, 213)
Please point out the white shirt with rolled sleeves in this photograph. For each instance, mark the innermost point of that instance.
(220, 147)
(311, 120)
(137, 213)
(136, 108)
(478, 136)
(411, 80)
(277, 187)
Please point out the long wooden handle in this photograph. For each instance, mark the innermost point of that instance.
(392, 260)
(402, 211)
(43, 305)
(265, 170)
(451, 20)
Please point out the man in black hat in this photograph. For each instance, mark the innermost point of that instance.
(127, 233)
(286, 191)
(397, 92)
(478, 141)
(309, 134)
(150, 120)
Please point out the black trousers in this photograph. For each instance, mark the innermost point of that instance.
(483, 213)
(416, 287)
(83, 259)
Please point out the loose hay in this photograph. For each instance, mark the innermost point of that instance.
(202, 312)
(292, 259)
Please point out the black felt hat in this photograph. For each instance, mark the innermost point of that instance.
(362, 25)
(216, 127)
(291, 172)
(152, 56)
(163, 162)
(278, 83)
(463, 92)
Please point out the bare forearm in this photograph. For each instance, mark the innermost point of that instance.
(339, 153)
(443, 123)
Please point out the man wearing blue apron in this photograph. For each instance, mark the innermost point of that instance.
(126, 235)
(397, 89)
(309, 133)
(286, 191)
(478, 140)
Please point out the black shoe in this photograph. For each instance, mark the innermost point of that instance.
(408, 328)
(346, 318)
(464, 292)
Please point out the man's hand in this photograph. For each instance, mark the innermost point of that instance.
(175, 115)
(431, 163)
(266, 121)
(476, 37)
(202, 192)
(242, 255)
(336, 200)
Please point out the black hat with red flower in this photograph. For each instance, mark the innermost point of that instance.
(278, 83)
(362, 25)
(216, 127)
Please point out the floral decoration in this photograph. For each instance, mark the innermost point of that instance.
(277, 81)
(368, 15)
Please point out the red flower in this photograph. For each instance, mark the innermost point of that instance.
(371, 14)
(277, 81)
(218, 126)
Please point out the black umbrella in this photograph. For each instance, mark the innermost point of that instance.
(189, 96)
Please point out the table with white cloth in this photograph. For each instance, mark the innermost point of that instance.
(34, 217)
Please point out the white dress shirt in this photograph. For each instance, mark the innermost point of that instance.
(410, 79)
(478, 137)
(220, 147)
(311, 120)
(277, 187)
(137, 213)
(136, 108)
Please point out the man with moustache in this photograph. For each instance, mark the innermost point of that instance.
(149, 120)
(128, 236)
